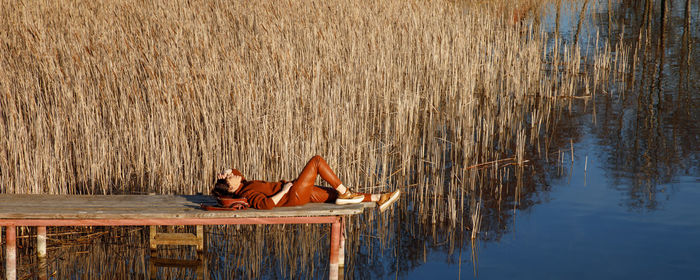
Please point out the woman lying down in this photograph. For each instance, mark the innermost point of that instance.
(266, 195)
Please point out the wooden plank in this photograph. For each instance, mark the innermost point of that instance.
(19, 207)
(178, 238)
(102, 201)
(174, 236)
(123, 197)
(169, 221)
(177, 242)
(177, 213)
(175, 262)
(46, 200)
(146, 207)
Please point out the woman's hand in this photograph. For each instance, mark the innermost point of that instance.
(285, 189)
(225, 174)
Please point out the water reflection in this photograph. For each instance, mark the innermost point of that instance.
(648, 126)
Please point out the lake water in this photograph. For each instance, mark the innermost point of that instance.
(627, 206)
(591, 227)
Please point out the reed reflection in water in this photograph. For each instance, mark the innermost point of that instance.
(649, 120)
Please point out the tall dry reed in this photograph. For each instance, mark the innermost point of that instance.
(119, 96)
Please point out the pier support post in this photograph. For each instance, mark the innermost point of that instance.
(335, 248)
(152, 238)
(341, 250)
(11, 253)
(41, 251)
(41, 242)
(200, 238)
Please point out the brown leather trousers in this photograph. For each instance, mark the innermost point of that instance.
(304, 190)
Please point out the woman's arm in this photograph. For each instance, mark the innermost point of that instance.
(278, 196)
(259, 200)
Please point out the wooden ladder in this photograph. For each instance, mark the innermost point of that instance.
(164, 238)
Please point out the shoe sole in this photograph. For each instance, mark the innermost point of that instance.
(341, 201)
(394, 197)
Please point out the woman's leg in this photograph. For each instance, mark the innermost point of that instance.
(318, 194)
(304, 187)
(383, 200)
(329, 195)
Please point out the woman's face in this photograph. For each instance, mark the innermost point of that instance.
(234, 182)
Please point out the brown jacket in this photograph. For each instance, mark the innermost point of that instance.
(257, 192)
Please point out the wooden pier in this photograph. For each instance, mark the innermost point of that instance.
(152, 210)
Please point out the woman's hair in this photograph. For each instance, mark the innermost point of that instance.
(220, 188)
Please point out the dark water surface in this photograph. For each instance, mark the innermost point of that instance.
(592, 228)
(628, 206)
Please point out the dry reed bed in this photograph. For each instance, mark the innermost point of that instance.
(120, 96)
(128, 97)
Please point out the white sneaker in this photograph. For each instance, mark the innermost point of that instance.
(387, 199)
(349, 197)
